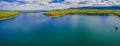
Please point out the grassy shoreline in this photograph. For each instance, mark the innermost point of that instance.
(5, 15)
(58, 13)
(8, 15)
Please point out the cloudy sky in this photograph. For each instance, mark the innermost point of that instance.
(53, 4)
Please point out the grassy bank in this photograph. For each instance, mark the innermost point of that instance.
(8, 15)
(57, 13)
(116, 12)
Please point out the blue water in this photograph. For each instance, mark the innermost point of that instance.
(36, 29)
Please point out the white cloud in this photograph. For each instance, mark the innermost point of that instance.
(45, 5)
(38, 0)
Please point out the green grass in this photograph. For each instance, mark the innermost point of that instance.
(57, 13)
(8, 15)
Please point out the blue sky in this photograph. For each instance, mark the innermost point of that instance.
(53, 4)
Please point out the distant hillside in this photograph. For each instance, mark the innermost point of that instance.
(101, 8)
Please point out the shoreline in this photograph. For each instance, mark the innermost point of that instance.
(5, 15)
(58, 13)
(7, 18)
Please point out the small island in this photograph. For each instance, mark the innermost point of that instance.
(58, 13)
(8, 15)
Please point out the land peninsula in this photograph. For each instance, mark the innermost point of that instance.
(58, 13)
(8, 15)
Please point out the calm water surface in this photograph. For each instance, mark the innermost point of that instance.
(36, 29)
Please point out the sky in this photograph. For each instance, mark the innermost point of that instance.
(53, 4)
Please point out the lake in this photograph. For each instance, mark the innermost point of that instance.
(36, 29)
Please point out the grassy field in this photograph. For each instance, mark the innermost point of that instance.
(57, 13)
(8, 15)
